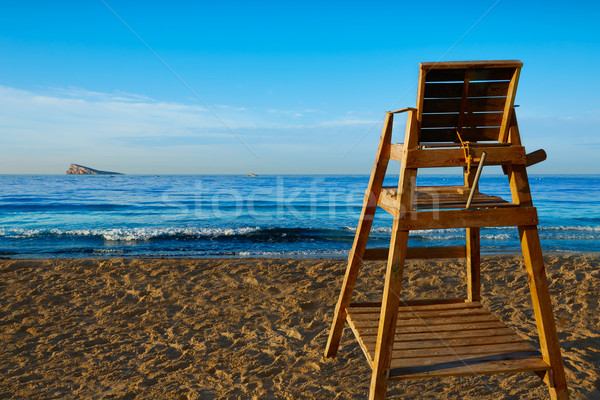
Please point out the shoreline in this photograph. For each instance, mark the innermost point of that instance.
(310, 257)
(256, 327)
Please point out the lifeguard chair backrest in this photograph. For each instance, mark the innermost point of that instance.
(474, 98)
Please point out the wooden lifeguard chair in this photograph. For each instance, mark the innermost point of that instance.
(464, 117)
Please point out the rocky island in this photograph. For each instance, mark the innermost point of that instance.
(76, 169)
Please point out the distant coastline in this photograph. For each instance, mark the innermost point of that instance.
(76, 169)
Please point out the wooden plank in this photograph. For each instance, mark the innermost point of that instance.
(439, 198)
(476, 89)
(469, 120)
(362, 235)
(458, 359)
(430, 322)
(441, 105)
(456, 343)
(449, 134)
(450, 145)
(472, 218)
(492, 74)
(396, 151)
(449, 205)
(424, 315)
(476, 104)
(445, 75)
(417, 355)
(420, 303)
(389, 206)
(453, 343)
(471, 64)
(409, 312)
(416, 305)
(374, 308)
(402, 330)
(421, 253)
(472, 368)
(485, 74)
(364, 347)
(425, 337)
(457, 200)
(432, 158)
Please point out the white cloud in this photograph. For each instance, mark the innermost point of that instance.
(48, 129)
(80, 93)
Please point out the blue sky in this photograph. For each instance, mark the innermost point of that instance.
(273, 87)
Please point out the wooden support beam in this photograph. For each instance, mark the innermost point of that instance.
(542, 307)
(509, 106)
(473, 218)
(395, 268)
(538, 286)
(473, 264)
(396, 151)
(419, 253)
(362, 236)
(433, 158)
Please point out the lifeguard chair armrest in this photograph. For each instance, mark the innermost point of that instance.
(532, 158)
(405, 109)
(536, 157)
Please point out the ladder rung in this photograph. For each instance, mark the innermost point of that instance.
(381, 253)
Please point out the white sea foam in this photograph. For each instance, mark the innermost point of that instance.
(571, 228)
(292, 253)
(129, 234)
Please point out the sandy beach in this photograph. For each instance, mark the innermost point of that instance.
(255, 328)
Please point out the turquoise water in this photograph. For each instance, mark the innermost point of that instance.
(287, 215)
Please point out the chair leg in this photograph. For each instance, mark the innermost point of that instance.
(389, 314)
(362, 236)
(473, 265)
(354, 263)
(542, 306)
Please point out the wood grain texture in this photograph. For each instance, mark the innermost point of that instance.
(394, 270)
(462, 347)
(476, 89)
(481, 74)
(475, 104)
(538, 286)
(471, 64)
(472, 218)
(436, 158)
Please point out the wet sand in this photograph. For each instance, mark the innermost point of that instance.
(256, 328)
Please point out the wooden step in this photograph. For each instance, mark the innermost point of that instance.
(443, 338)
(441, 197)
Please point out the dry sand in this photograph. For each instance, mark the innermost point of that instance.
(254, 328)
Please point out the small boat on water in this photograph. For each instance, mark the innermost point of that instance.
(253, 175)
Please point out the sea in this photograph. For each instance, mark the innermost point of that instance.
(298, 216)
